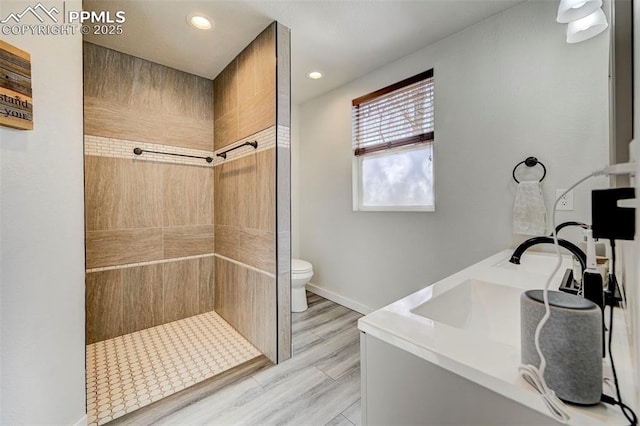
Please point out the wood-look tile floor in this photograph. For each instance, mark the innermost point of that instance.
(319, 385)
(132, 371)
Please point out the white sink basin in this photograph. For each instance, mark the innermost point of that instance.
(485, 309)
(469, 324)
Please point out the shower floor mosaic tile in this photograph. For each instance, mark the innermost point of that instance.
(128, 372)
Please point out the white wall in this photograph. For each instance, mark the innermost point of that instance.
(506, 88)
(42, 216)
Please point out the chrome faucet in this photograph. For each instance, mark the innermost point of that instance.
(574, 249)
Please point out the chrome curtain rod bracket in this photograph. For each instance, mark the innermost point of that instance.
(223, 154)
(138, 151)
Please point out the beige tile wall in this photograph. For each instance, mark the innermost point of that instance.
(244, 93)
(257, 84)
(245, 210)
(225, 106)
(125, 300)
(129, 98)
(122, 246)
(246, 298)
(104, 305)
(187, 195)
(154, 209)
(247, 192)
(142, 297)
(179, 241)
(139, 211)
(122, 194)
(245, 195)
(245, 247)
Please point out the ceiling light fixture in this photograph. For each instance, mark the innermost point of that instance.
(587, 27)
(571, 10)
(315, 75)
(200, 21)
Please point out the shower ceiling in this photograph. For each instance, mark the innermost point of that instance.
(342, 39)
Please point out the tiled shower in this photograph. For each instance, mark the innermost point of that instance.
(187, 259)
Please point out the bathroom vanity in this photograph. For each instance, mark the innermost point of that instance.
(449, 353)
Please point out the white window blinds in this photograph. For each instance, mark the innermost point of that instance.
(397, 115)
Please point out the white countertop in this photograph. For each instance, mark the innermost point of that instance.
(491, 359)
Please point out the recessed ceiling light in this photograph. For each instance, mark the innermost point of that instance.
(315, 75)
(200, 21)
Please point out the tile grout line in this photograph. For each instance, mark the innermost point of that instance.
(252, 268)
(257, 383)
(345, 417)
(325, 374)
(147, 263)
(357, 402)
(324, 339)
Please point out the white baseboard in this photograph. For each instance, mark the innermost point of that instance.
(82, 421)
(341, 300)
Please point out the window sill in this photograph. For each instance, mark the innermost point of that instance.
(398, 209)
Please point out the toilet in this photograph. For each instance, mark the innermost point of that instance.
(301, 273)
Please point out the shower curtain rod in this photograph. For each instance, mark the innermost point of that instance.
(138, 151)
(223, 154)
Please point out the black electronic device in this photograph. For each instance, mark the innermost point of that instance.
(607, 219)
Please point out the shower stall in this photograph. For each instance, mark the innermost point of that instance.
(187, 186)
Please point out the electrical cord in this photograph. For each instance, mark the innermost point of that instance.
(626, 410)
(535, 375)
(612, 278)
(530, 373)
(633, 421)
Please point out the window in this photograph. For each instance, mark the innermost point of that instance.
(393, 133)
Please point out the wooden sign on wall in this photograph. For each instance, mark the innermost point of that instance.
(16, 103)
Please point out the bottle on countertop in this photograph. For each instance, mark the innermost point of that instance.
(592, 286)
